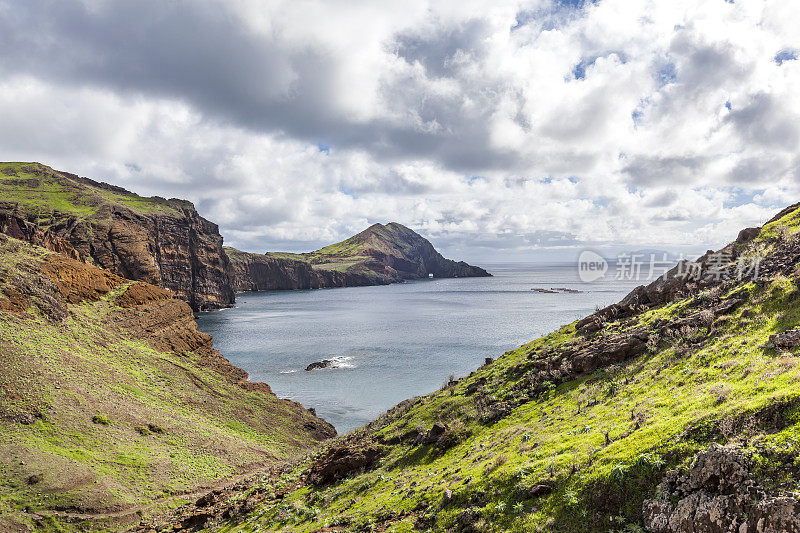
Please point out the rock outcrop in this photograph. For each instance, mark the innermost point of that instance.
(158, 241)
(116, 369)
(339, 461)
(719, 495)
(263, 272)
(379, 255)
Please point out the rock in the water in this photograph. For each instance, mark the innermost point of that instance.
(325, 363)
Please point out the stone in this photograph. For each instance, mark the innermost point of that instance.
(325, 363)
(787, 339)
(719, 495)
(341, 460)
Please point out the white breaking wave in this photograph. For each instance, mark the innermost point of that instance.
(342, 361)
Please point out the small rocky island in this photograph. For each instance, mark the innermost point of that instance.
(325, 363)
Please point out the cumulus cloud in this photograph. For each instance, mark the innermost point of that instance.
(491, 126)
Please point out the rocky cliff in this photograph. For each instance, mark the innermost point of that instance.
(379, 255)
(113, 404)
(676, 410)
(257, 272)
(158, 241)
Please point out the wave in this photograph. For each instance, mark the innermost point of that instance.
(342, 361)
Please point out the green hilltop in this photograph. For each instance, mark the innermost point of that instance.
(577, 431)
(38, 189)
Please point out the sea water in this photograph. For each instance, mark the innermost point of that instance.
(393, 342)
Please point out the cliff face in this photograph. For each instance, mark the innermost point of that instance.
(377, 256)
(256, 272)
(158, 241)
(676, 410)
(111, 399)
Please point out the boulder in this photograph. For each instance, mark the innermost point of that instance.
(747, 235)
(431, 436)
(787, 339)
(325, 363)
(340, 461)
(719, 495)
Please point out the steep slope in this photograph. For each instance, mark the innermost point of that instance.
(111, 401)
(274, 272)
(676, 410)
(163, 242)
(380, 254)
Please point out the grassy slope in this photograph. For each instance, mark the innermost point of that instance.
(41, 190)
(348, 255)
(657, 410)
(162, 424)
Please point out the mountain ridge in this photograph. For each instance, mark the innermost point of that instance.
(155, 240)
(675, 410)
(378, 255)
(167, 243)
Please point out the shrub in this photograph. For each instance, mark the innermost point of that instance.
(101, 420)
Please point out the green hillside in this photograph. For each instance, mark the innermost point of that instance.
(576, 431)
(114, 406)
(40, 190)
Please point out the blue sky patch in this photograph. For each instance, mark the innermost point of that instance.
(348, 191)
(574, 4)
(636, 116)
(551, 17)
(738, 196)
(579, 72)
(666, 74)
(785, 55)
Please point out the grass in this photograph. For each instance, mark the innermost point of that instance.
(113, 422)
(601, 442)
(351, 255)
(51, 196)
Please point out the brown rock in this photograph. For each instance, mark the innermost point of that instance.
(719, 495)
(168, 244)
(340, 461)
(786, 339)
(747, 235)
(78, 282)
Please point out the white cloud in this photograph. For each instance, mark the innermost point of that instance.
(516, 125)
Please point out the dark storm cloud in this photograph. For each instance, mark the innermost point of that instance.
(765, 121)
(438, 52)
(188, 50)
(200, 53)
(654, 170)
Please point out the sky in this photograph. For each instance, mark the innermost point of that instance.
(500, 130)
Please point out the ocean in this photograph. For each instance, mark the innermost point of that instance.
(393, 342)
